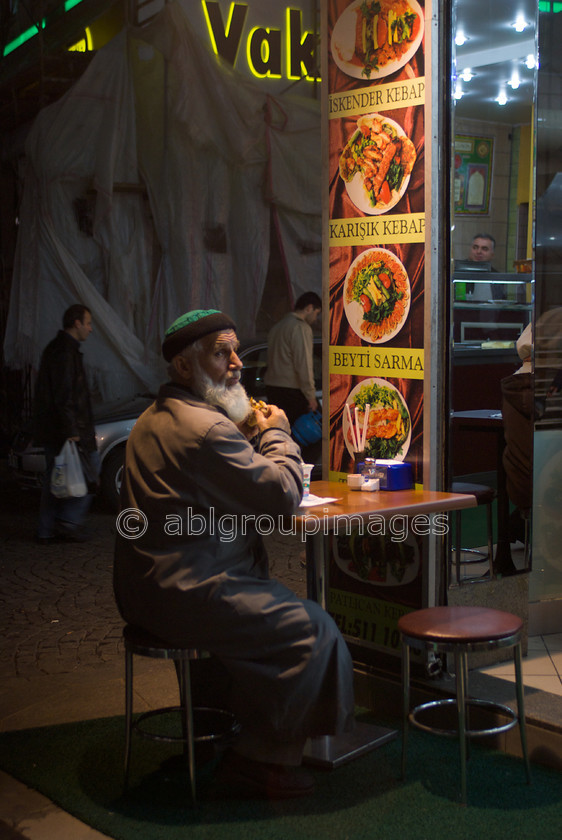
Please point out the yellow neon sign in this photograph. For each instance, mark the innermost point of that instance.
(264, 45)
(263, 53)
(85, 44)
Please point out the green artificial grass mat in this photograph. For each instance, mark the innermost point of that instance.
(79, 766)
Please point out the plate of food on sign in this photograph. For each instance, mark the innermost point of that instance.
(376, 164)
(382, 411)
(377, 295)
(375, 38)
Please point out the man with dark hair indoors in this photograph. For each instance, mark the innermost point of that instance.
(63, 411)
(190, 579)
(482, 248)
(289, 377)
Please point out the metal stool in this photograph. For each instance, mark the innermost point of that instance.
(484, 496)
(461, 630)
(140, 642)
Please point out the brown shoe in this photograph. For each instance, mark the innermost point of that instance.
(258, 779)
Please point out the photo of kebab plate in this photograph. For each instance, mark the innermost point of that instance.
(388, 422)
(376, 295)
(375, 38)
(376, 163)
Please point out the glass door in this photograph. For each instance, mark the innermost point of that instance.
(494, 72)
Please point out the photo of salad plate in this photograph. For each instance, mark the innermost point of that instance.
(388, 424)
(376, 163)
(376, 295)
(375, 38)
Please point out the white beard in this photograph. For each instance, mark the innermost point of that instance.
(232, 398)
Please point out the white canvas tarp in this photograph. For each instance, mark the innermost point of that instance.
(184, 162)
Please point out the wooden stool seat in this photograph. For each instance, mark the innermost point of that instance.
(461, 630)
(214, 725)
(461, 625)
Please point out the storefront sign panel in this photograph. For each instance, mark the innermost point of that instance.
(375, 232)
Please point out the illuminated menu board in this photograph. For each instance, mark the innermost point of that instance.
(376, 229)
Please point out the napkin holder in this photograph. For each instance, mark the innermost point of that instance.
(393, 475)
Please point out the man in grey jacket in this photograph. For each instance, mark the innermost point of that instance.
(198, 574)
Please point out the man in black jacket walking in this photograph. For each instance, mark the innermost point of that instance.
(63, 412)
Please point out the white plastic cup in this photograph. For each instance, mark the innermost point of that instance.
(355, 481)
(306, 472)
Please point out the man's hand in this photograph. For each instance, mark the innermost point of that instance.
(268, 417)
(313, 404)
(272, 418)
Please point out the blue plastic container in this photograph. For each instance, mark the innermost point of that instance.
(394, 475)
(307, 429)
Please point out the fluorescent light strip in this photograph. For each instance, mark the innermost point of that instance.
(23, 37)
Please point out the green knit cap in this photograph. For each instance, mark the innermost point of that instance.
(193, 325)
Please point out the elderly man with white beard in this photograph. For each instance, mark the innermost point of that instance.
(190, 465)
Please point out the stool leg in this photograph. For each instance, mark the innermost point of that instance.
(466, 704)
(527, 550)
(490, 533)
(187, 722)
(461, 668)
(405, 702)
(128, 712)
(521, 708)
(458, 545)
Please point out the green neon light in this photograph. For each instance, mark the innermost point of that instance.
(23, 37)
(548, 6)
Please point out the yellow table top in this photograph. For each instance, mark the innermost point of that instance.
(386, 503)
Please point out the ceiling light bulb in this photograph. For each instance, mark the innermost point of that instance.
(460, 38)
(515, 80)
(458, 90)
(466, 75)
(502, 98)
(530, 62)
(520, 23)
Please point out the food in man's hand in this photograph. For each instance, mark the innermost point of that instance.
(384, 32)
(383, 156)
(259, 405)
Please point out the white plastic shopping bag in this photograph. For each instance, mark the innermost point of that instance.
(67, 477)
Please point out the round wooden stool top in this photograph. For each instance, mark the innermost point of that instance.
(460, 624)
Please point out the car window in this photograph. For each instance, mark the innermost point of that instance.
(255, 365)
